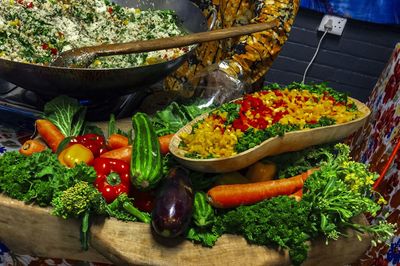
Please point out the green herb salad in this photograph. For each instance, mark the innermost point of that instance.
(36, 31)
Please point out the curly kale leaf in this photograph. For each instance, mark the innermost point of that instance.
(39, 177)
(294, 163)
(206, 237)
(280, 221)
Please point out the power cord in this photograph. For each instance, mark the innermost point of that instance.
(328, 27)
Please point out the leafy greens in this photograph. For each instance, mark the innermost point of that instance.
(39, 177)
(333, 196)
(67, 114)
(175, 116)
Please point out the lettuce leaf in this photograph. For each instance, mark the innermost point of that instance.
(67, 114)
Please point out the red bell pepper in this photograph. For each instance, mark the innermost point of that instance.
(112, 178)
(95, 143)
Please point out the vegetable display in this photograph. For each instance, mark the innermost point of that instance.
(333, 195)
(284, 201)
(243, 124)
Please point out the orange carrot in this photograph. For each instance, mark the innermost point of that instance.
(49, 133)
(229, 196)
(164, 143)
(123, 153)
(116, 141)
(298, 194)
(32, 146)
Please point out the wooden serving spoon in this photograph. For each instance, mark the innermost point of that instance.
(84, 56)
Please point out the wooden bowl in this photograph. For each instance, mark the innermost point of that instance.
(291, 141)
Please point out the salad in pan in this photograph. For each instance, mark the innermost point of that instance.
(36, 31)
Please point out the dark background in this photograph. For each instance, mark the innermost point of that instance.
(351, 62)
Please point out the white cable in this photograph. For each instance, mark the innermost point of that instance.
(315, 54)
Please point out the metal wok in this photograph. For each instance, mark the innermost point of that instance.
(104, 83)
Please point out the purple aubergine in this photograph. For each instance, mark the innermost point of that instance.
(174, 204)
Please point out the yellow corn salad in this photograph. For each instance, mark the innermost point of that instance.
(288, 109)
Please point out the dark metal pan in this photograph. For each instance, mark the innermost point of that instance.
(104, 83)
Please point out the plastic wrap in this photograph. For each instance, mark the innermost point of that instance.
(215, 85)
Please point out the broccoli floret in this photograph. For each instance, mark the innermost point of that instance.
(79, 201)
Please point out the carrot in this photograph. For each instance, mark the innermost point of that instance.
(49, 133)
(32, 146)
(116, 141)
(297, 195)
(260, 172)
(164, 143)
(229, 196)
(123, 153)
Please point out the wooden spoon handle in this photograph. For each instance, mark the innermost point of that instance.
(178, 41)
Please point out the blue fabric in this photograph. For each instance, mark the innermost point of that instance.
(3, 252)
(3, 249)
(377, 11)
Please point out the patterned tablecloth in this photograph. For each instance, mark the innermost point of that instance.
(374, 144)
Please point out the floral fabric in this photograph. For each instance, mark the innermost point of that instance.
(374, 144)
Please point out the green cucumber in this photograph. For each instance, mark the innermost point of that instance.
(146, 161)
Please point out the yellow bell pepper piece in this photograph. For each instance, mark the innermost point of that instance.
(75, 154)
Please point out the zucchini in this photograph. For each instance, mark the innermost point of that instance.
(146, 161)
(203, 213)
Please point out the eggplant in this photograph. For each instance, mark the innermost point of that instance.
(174, 204)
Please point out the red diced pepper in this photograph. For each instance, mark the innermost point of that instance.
(278, 93)
(110, 10)
(277, 117)
(45, 46)
(238, 124)
(53, 51)
(112, 178)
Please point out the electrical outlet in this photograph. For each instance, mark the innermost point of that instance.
(338, 24)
